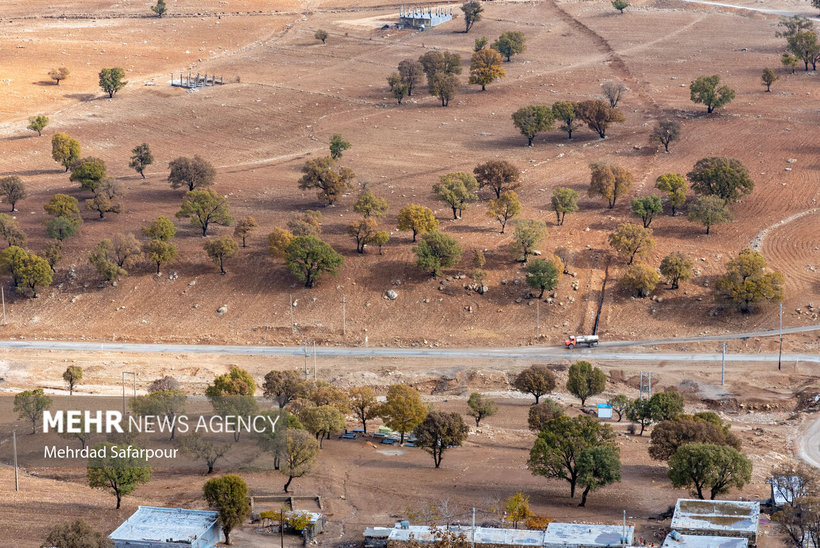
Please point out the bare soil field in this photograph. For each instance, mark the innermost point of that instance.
(285, 95)
(293, 93)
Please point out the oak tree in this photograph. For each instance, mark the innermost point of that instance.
(245, 226)
(119, 473)
(720, 176)
(107, 198)
(363, 403)
(330, 180)
(609, 182)
(585, 381)
(369, 205)
(220, 249)
(532, 120)
(337, 146)
(708, 468)
(708, 211)
(705, 90)
(58, 74)
(13, 190)
(204, 207)
(141, 157)
(403, 409)
(480, 407)
(191, 173)
(536, 380)
(30, 404)
(457, 189)
(485, 67)
(528, 234)
(561, 442)
(510, 43)
(498, 175)
(112, 80)
(504, 208)
(564, 112)
(436, 251)
(542, 275)
(472, 14)
(229, 495)
(564, 200)
(598, 115)
(440, 431)
(665, 132)
(748, 281)
(308, 257)
(65, 149)
(37, 123)
(417, 219)
(676, 267)
(646, 207)
(675, 187)
(631, 240)
(300, 454)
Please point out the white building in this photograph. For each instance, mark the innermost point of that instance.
(153, 527)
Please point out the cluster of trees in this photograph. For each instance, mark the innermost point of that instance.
(701, 452)
(321, 408)
(442, 68)
(801, 43)
(595, 113)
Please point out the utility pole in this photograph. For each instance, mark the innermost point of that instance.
(472, 537)
(124, 373)
(780, 352)
(344, 316)
(290, 305)
(3, 295)
(16, 477)
(538, 318)
(723, 365)
(314, 361)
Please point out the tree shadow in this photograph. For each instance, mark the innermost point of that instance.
(84, 96)
(19, 137)
(49, 83)
(34, 172)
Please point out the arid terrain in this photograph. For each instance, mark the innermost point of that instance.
(285, 94)
(362, 485)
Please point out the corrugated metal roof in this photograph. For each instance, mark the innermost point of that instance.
(556, 535)
(716, 515)
(697, 541)
(151, 523)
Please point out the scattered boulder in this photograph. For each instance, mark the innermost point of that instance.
(390, 294)
(222, 309)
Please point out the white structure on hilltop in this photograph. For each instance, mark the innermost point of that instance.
(424, 18)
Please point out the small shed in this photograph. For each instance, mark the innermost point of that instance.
(376, 537)
(154, 527)
(604, 411)
(422, 18)
(696, 541)
(728, 518)
(785, 489)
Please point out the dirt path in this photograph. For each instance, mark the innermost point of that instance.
(757, 243)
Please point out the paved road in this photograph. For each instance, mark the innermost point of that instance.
(746, 8)
(809, 449)
(424, 352)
